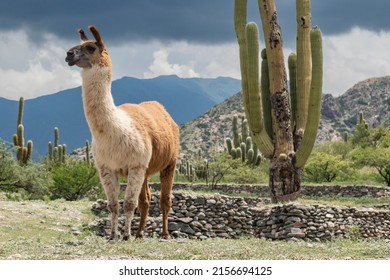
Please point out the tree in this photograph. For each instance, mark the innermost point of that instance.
(374, 151)
(376, 157)
(219, 166)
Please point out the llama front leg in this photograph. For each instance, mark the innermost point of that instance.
(166, 179)
(134, 184)
(111, 187)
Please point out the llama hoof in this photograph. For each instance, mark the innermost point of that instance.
(126, 237)
(113, 238)
(166, 237)
(139, 236)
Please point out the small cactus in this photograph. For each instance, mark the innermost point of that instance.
(87, 156)
(242, 143)
(23, 153)
(57, 154)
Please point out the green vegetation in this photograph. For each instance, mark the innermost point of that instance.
(71, 180)
(28, 181)
(75, 180)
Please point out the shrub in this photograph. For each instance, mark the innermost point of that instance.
(31, 181)
(74, 181)
(378, 158)
(322, 167)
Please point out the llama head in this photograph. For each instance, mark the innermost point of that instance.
(90, 52)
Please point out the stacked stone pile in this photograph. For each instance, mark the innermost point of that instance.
(210, 216)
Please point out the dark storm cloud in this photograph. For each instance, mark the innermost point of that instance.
(207, 21)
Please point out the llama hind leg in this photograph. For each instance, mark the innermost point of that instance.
(134, 184)
(166, 179)
(143, 207)
(111, 187)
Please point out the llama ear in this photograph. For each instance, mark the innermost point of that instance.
(83, 37)
(98, 38)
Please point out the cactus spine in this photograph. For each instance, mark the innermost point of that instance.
(23, 153)
(284, 126)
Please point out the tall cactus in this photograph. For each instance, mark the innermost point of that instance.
(284, 126)
(23, 153)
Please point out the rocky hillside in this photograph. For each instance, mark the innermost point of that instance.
(339, 115)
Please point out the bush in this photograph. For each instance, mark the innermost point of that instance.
(322, 167)
(223, 168)
(31, 181)
(377, 158)
(75, 180)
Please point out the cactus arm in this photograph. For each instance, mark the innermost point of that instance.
(236, 136)
(20, 136)
(265, 94)
(20, 112)
(243, 151)
(29, 151)
(292, 70)
(255, 117)
(15, 139)
(87, 152)
(229, 145)
(314, 108)
(50, 150)
(259, 136)
(303, 18)
(56, 137)
(239, 26)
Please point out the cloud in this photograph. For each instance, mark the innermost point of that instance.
(353, 57)
(29, 70)
(201, 21)
(161, 66)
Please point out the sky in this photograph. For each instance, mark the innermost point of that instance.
(148, 38)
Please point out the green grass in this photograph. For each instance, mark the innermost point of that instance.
(345, 201)
(57, 230)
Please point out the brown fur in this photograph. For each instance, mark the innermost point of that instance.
(131, 140)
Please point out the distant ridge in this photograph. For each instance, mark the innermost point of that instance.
(185, 99)
(338, 115)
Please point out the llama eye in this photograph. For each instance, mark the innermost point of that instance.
(90, 48)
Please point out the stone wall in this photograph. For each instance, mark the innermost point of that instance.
(319, 222)
(210, 216)
(350, 191)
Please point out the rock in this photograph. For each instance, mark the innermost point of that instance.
(201, 216)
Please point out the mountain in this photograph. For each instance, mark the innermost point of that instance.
(338, 115)
(185, 99)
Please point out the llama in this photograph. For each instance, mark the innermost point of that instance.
(129, 140)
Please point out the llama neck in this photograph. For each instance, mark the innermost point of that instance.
(98, 103)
